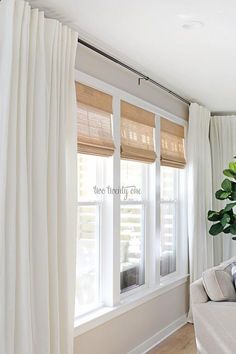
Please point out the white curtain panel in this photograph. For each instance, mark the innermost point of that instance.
(223, 150)
(199, 191)
(37, 182)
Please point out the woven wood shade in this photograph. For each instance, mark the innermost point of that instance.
(172, 144)
(137, 115)
(137, 134)
(94, 130)
(93, 98)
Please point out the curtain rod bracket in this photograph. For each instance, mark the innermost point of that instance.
(142, 78)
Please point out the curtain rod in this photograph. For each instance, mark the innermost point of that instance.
(141, 75)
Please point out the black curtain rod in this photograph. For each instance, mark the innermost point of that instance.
(138, 73)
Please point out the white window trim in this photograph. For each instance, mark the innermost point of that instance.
(115, 303)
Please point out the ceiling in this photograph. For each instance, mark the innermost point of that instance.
(198, 63)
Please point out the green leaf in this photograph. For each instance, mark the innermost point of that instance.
(213, 215)
(229, 173)
(233, 195)
(221, 194)
(225, 220)
(232, 166)
(216, 229)
(229, 206)
(233, 229)
(226, 230)
(227, 185)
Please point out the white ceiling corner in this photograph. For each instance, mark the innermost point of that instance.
(199, 63)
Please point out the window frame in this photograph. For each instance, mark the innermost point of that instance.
(110, 246)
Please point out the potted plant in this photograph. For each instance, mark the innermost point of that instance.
(225, 219)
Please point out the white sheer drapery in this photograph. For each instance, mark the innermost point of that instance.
(223, 150)
(37, 182)
(199, 191)
(211, 146)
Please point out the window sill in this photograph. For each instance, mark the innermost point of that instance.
(104, 314)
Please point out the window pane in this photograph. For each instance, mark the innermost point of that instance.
(132, 174)
(131, 247)
(168, 241)
(88, 249)
(87, 267)
(87, 177)
(169, 193)
(168, 178)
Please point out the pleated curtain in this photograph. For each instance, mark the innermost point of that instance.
(37, 182)
(199, 191)
(211, 146)
(223, 150)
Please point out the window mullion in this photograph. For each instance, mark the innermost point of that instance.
(116, 202)
(133, 202)
(177, 222)
(111, 220)
(153, 215)
(182, 244)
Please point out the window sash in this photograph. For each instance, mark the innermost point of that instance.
(143, 205)
(143, 255)
(96, 201)
(94, 306)
(174, 202)
(171, 269)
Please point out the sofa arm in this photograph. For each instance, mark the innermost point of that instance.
(198, 294)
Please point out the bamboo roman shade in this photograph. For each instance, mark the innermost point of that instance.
(137, 126)
(94, 130)
(172, 144)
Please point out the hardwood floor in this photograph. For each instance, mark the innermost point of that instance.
(180, 342)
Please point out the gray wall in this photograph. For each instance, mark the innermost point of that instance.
(124, 333)
(95, 65)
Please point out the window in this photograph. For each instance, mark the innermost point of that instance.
(88, 235)
(130, 200)
(132, 229)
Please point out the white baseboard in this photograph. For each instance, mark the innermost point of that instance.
(159, 336)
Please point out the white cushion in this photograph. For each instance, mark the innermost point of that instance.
(228, 264)
(198, 293)
(218, 284)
